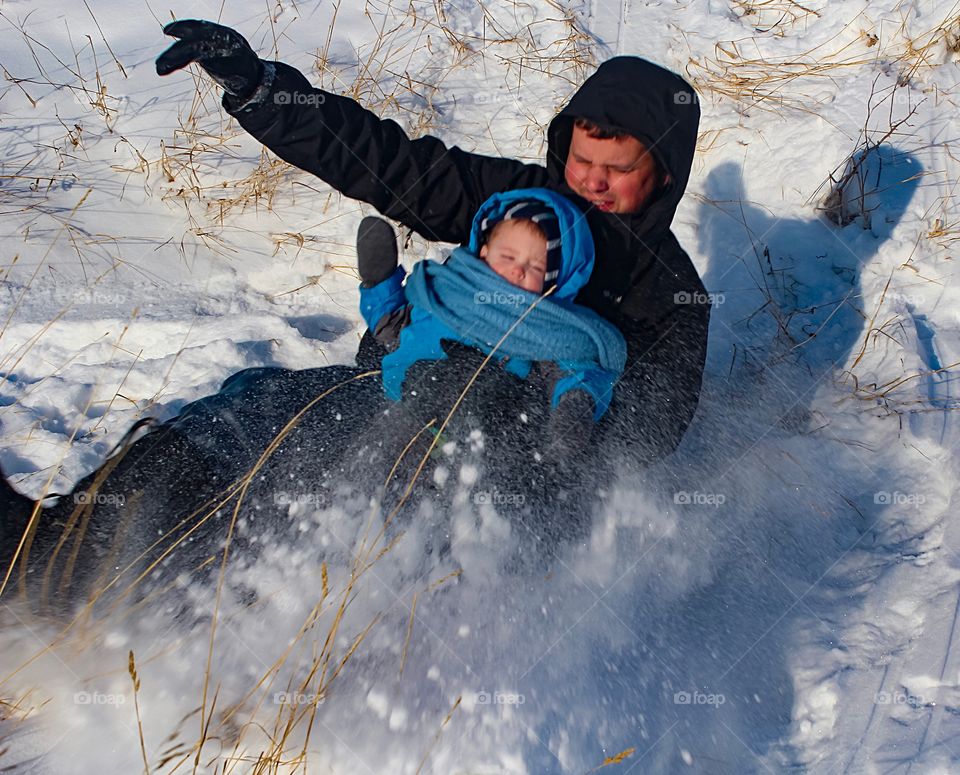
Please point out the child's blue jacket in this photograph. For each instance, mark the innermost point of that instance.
(465, 301)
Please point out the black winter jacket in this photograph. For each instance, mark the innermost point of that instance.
(643, 281)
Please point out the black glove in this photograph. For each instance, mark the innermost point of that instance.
(221, 51)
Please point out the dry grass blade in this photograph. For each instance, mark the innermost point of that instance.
(773, 15)
(436, 737)
(132, 670)
(739, 70)
(742, 71)
(616, 759)
(413, 611)
(104, 39)
(406, 640)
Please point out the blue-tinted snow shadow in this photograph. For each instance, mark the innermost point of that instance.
(764, 493)
(323, 328)
(790, 312)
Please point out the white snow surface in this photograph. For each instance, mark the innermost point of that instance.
(780, 595)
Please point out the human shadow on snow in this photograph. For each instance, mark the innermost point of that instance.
(762, 502)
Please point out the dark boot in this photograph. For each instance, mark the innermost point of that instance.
(376, 250)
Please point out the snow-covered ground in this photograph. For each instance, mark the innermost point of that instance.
(780, 595)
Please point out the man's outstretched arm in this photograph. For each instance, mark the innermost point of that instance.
(433, 189)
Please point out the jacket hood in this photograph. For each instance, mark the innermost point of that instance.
(652, 104)
(576, 242)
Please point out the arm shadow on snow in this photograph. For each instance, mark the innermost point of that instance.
(752, 527)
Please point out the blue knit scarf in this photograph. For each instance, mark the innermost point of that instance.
(465, 300)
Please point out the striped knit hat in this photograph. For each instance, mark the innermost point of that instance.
(542, 215)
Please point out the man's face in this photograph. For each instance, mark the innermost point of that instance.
(518, 253)
(616, 175)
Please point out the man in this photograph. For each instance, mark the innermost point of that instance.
(622, 149)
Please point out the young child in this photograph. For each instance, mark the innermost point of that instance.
(530, 252)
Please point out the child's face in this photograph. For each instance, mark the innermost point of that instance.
(518, 253)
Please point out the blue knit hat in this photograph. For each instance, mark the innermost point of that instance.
(543, 216)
